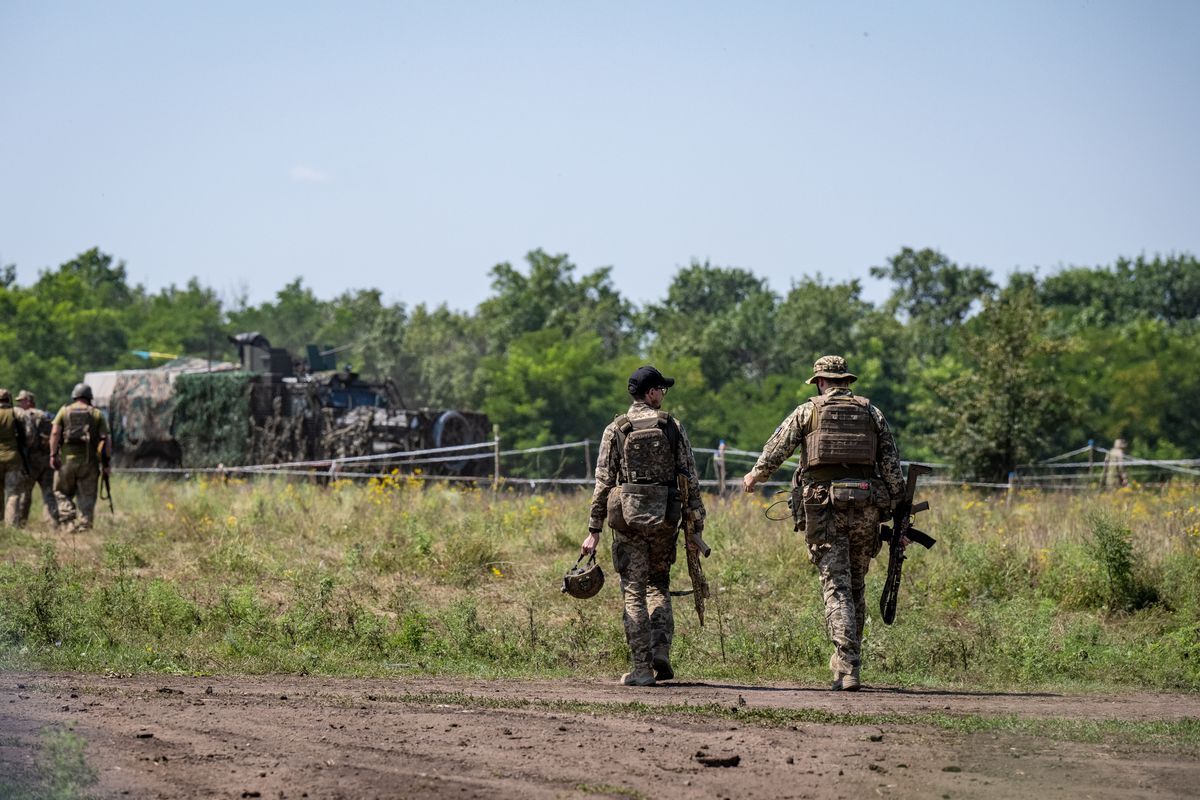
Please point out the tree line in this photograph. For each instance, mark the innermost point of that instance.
(981, 374)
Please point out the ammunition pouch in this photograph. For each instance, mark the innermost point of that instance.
(796, 502)
(616, 517)
(646, 507)
(851, 493)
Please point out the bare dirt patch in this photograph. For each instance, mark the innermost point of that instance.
(295, 737)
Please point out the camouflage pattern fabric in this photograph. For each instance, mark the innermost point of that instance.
(142, 408)
(43, 479)
(841, 540)
(37, 434)
(643, 559)
(12, 485)
(790, 436)
(75, 486)
(608, 468)
(643, 562)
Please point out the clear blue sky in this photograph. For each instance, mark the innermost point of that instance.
(411, 146)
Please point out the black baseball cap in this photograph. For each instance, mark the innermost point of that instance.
(646, 378)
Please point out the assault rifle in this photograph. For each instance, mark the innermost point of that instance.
(693, 546)
(898, 535)
(105, 487)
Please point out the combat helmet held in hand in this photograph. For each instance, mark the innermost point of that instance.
(583, 581)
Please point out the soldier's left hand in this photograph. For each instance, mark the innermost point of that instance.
(748, 482)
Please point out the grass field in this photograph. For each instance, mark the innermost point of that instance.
(394, 577)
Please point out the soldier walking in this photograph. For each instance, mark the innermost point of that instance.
(37, 437)
(14, 472)
(849, 472)
(77, 434)
(1114, 475)
(641, 453)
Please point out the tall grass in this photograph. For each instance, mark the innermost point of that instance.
(400, 577)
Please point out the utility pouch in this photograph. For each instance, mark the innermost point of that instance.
(616, 517)
(645, 506)
(796, 502)
(881, 498)
(78, 427)
(852, 493)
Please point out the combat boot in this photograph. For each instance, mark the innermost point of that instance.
(662, 666)
(846, 681)
(641, 676)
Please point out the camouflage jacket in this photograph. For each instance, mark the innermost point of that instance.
(789, 437)
(608, 468)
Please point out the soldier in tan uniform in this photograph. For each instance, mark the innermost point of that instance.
(77, 434)
(849, 473)
(14, 472)
(37, 436)
(641, 454)
(1114, 475)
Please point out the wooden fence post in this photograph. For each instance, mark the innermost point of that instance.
(496, 458)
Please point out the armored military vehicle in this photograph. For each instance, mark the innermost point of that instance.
(274, 409)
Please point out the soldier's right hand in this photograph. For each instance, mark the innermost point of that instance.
(589, 544)
(748, 482)
(55, 463)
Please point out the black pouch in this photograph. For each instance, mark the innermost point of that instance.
(851, 493)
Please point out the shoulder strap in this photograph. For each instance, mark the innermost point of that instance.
(671, 427)
(621, 428)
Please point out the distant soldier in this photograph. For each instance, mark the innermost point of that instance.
(1114, 476)
(14, 471)
(719, 461)
(641, 454)
(78, 433)
(849, 472)
(37, 436)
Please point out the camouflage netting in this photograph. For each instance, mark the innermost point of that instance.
(212, 418)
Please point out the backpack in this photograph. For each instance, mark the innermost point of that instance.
(648, 497)
(648, 449)
(77, 428)
(843, 432)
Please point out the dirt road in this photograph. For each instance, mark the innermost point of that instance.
(306, 737)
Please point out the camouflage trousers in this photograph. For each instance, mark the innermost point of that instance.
(43, 478)
(841, 543)
(643, 562)
(12, 483)
(75, 487)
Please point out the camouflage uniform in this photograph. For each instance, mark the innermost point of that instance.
(643, 557)
(842, 539)
(37, 436)
(12, 470)
(1114, 476)
(78, 479)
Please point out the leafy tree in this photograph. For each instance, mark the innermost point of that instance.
(549, 388)
(818, 318)
(439, 362)
(723, 317)
(933, 293)
(1004, 405)
(1164, 288)
(550, 297)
